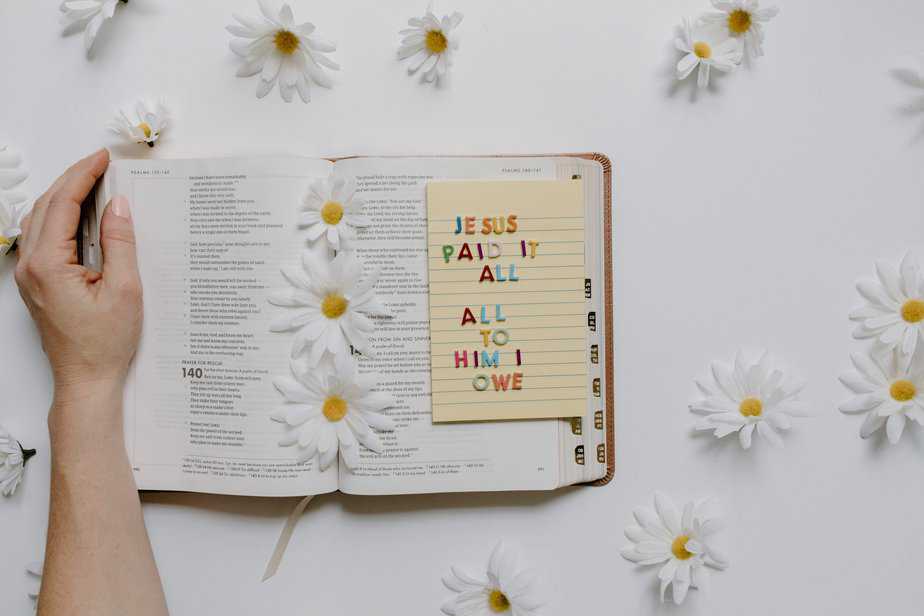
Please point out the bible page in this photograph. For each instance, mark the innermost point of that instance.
(421, 456)
(211, 238)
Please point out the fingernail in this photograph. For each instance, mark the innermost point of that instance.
(119, 206)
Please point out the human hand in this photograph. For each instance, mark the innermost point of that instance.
(89, 322)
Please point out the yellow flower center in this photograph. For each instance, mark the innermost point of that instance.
(5, 241)
(702, 50)
(679, 548)
(145, 128)
(334, 408)
(334, 305)
(903, 390)
(332, 212)
(913, 310)
(739, 21)
(436, 41)
(751, 407)
(286, 42)
(498, 601)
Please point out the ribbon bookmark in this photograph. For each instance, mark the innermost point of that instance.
(283, 542)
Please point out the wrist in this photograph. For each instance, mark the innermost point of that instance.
(87, 410)
(103, 391)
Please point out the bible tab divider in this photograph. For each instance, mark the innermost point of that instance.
(506, 263)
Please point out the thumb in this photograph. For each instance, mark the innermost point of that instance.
(117, 238)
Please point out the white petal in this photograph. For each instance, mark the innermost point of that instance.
(893, 334)
(716, 558)
(861, 403)
(890, 280)
(780, 420)
(630, 554)
(378, 421)
(726, 382)
(702, 81)
(649, 520)
(908, 269)
(744, 436)
(769, 434)
(895, 425)
(668, 512)
(636, 533)
(681, 581)
(666, 575)
(874, 293)
(868, 368)
(652, 548)
(871, 425)
(686, 65)
(856, 383)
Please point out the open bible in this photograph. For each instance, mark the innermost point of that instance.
(211, 238)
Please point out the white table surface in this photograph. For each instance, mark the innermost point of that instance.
(742, 218)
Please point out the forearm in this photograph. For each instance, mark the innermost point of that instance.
(98, 559)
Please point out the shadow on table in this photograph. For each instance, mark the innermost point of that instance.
(250, 506)
(913, 108)
(279, 507)
(468, 500)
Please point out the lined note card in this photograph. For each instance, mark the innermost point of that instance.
(507, 307)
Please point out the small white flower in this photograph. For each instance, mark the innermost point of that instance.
(326, 412)
(14, 204)
(505, 589)
(888, 388)
(280, 50)
(330, 304)
(679, 540)
(34, 571)
(748, 396)
(13, 460)
(147, 125)
(744, 20)
(705, 51)
(332, 210)
(894, 312)
(87, 15)
(430, 43)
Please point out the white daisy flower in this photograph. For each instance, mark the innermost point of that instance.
(280, 50)
(326, 412)
(332, 210)
(679, 540)
(14, 204)
(705, 51)
(147, 125)
(13, 460)
(894, 312)
(34, 571)
(744, 20)
(87, 15)
(430, 43)
(330, 306)
(747, 397)
(506, 588)
(888, 388)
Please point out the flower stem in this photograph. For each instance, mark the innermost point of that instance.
(26, 453)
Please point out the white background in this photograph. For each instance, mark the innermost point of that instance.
(743, 217)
